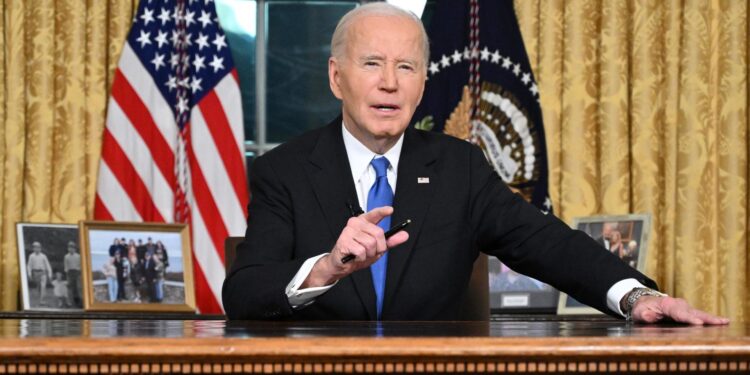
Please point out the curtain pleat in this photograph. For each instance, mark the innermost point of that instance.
(58, 59)
(647, 119)
(549, 73)
(96, 81)
(13, 128)
(645, 108)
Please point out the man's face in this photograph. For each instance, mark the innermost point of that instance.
(380, 78)
(36, 247)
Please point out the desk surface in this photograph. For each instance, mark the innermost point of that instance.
(513, 345)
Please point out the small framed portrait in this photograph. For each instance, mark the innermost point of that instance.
(50, 266)
(137, 267)
(512, 292)
(626, 236)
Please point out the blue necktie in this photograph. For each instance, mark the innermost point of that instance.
(380, 195)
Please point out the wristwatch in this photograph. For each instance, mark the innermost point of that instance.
(627, 302)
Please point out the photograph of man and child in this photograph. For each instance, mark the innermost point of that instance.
(51, 267)
(136, 267)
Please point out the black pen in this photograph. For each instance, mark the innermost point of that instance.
(390, 232)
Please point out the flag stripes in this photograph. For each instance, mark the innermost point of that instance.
(173, 147)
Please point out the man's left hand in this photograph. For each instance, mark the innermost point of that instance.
(652, 309)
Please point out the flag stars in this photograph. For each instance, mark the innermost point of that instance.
(195, 85)
(507, 63)
(534, 89)
(182, 104)
(220, 42)
(176, 15)
(175, 38)
(143, 39)
(174, 59)
(158, 61)
(485, 54)
(171, 82)
(456, 57)
(496, 57)
(217, 63)
(161, 39)
(185, 82)
(147, 16)
(434, 68)
(198, 63)
(547, 203)
(189, 18)
(204, 19)
(164, 16)
(202, 41)
(445, 61)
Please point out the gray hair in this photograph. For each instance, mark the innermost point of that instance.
(340, 35)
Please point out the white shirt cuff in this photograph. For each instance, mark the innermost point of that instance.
(302, 297)
(619, 290)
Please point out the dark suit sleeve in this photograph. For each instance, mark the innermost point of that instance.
(541, 246)
(255, 286)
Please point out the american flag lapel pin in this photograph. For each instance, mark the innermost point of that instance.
(423, 180)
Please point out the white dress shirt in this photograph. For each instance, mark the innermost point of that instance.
(363, 175)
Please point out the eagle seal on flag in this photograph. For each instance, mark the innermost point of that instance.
(480, 88)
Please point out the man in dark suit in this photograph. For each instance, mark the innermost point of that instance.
(303, 217)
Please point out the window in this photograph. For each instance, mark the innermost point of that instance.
(281, 50)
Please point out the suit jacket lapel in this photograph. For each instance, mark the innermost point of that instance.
(332, 183)
(414, 190)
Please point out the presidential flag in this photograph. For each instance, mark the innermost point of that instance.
(174, 142)
(480, 87)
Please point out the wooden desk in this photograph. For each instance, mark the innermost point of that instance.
(546, 345)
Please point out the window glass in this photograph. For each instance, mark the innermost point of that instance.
(238, 19)
(298, 37)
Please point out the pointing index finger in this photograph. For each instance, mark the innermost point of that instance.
(375, 215)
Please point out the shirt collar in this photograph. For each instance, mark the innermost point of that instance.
(360, 156)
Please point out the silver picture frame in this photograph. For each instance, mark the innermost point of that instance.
(624, 235)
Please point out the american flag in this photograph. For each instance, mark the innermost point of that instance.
(173, 143)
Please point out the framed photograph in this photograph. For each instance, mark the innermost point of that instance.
(625, 236)
(512, 292)
(136, 267)
(50, 266)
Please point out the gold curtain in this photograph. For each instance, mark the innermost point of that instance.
(645, 108)
(56, 62)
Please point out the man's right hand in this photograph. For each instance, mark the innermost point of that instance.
(361, 237)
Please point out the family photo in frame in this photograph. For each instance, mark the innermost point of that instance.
(50, 267)
(625, 236)
(137, 266)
